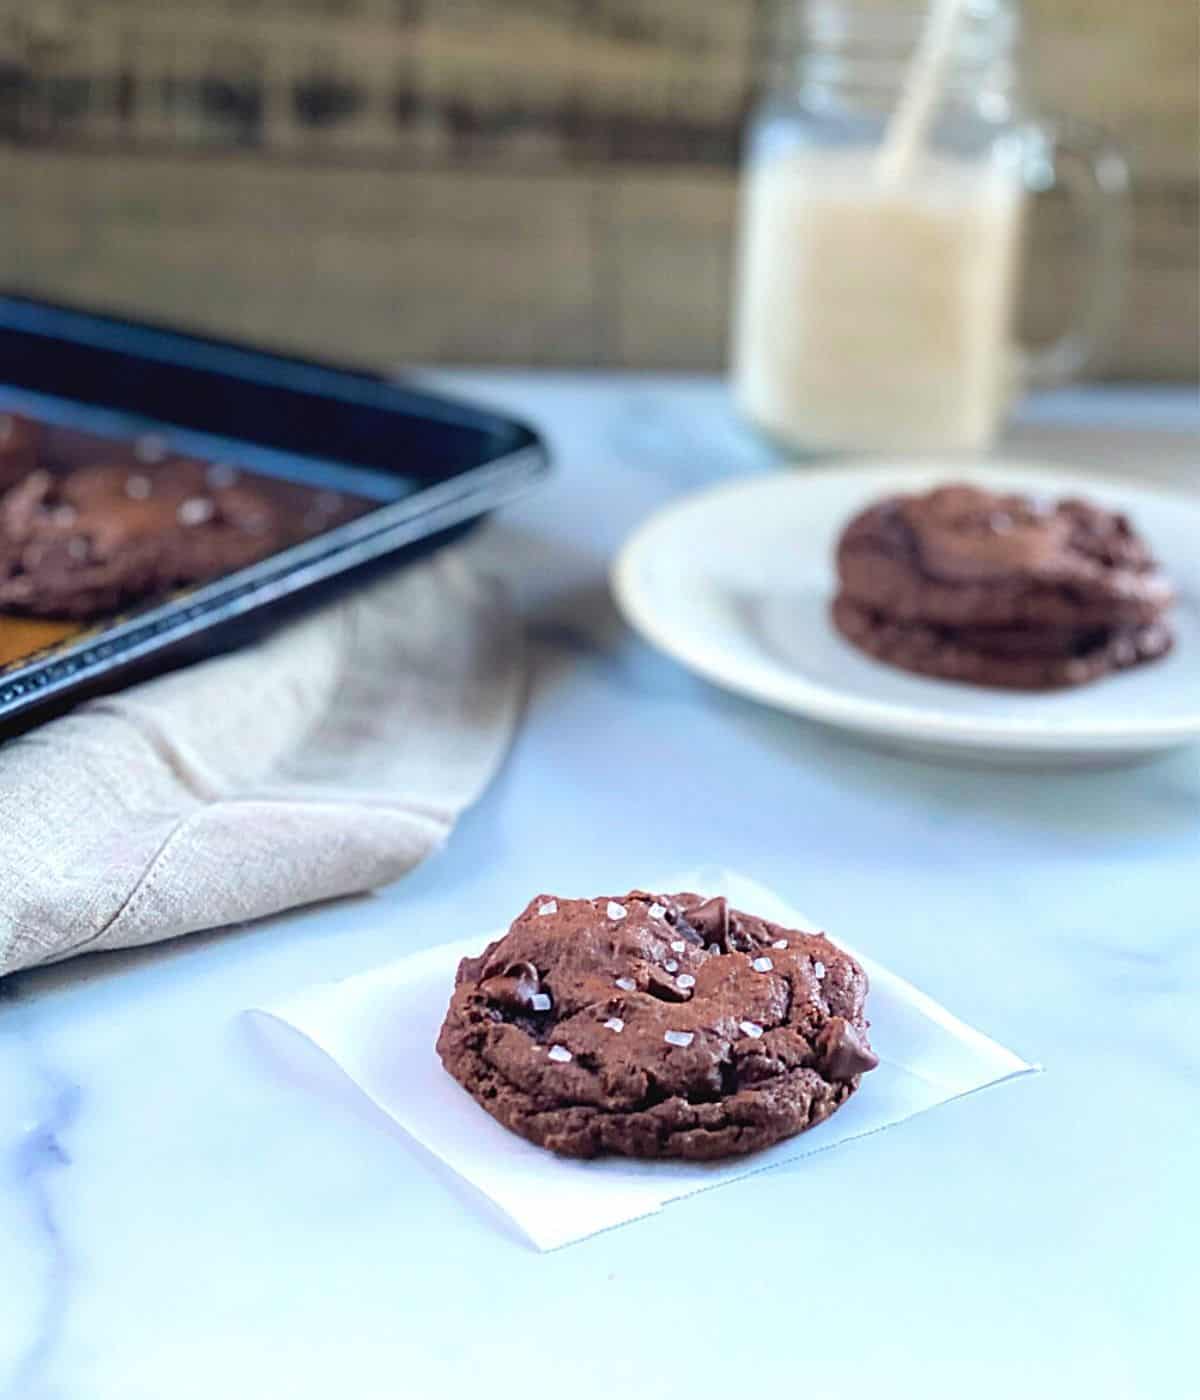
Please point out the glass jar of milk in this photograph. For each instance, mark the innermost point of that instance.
(875, 290)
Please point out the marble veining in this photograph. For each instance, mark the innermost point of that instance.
(33, 1158)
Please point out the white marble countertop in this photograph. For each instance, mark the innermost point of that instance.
(179, 1220)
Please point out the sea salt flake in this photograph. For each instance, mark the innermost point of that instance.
(220, 474)
(780, 943)
(549, 907)
(751, 1029)
(560, 1054)
(656, 911)
(678, 946)
(714, 947)
(539, 1001)
(819, 970)
(762, 964)
(685, 980)
(138, 487)
(615, 910)
(681, 1038)
(150, 447)
(196, 510)
(626, 984)
(614, 1023)
(671, 965)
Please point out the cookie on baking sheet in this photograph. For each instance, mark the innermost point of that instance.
(20, 448)
(656, 1026)
(97, 538)
(969, 585)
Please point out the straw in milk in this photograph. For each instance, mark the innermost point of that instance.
(923, 84)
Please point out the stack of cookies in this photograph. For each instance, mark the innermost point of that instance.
(1000, 590)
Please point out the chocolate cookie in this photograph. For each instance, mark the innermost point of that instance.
(97, 538)
(966, 557)
(1038, 660)
(656, 1026)
(20, 448)
(969, 585)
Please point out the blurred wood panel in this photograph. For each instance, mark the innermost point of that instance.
(1131, 67)
(612, 266)
(363, 264)
(544, 182)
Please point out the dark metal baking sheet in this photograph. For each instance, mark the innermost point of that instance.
(432, 465)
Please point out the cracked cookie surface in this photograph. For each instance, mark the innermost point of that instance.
(660, 1025)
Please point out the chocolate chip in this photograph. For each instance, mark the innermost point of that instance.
(663, 986)
(526, 980)
(842, 1051)
(516, 986)
(710, 920)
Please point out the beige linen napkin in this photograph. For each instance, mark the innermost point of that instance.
(328, 759)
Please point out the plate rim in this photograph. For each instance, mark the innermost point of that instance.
(799, 695)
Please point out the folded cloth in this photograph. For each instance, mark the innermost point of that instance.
(328, 759)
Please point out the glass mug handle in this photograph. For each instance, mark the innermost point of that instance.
(1085, 162)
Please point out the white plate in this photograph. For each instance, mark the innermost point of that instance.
(736, 582)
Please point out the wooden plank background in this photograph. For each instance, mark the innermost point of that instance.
(543, 182)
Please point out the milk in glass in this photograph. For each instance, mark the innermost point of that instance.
(871, 315)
